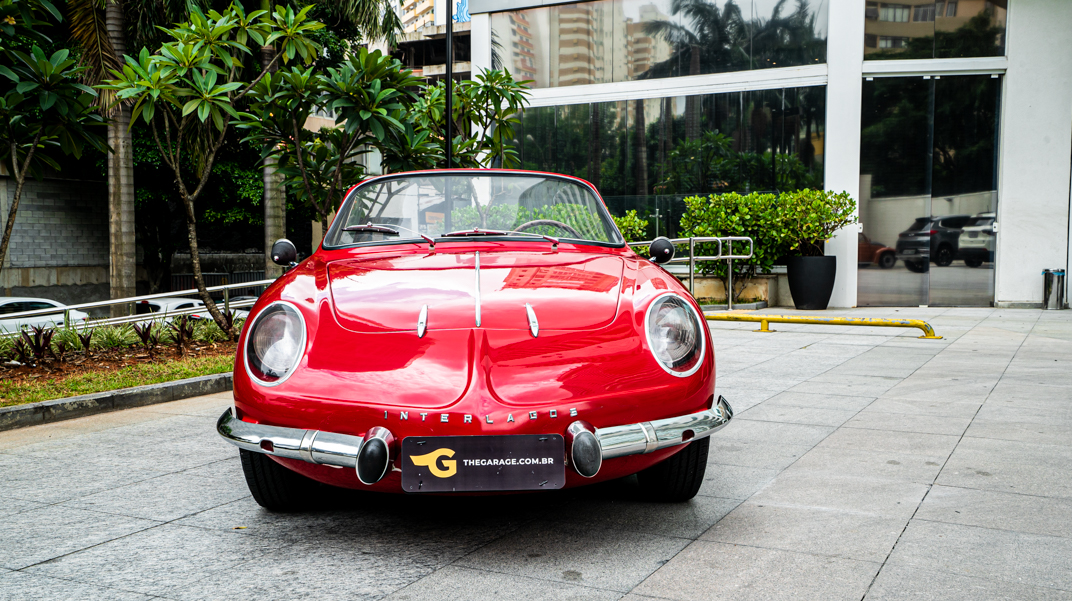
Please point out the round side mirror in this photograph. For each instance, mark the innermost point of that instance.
(662, 250)
(284, 252)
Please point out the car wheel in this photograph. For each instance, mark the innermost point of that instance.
(973, 262)
(679, 477)
(944, 256)
(887, 260)
(916, 266)
(273, 486)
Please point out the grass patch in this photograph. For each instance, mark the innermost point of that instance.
(27, 390)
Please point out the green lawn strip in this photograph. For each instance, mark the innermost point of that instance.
(32, 391)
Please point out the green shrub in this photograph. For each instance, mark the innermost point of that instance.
(632, 227)
(780, 225)
(114, 336)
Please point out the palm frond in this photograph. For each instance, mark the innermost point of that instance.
(89, 31)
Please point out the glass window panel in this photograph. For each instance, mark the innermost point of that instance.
(621, 40)
(928, 29)
(967, 29)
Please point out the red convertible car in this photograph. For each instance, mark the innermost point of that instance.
(473, 331)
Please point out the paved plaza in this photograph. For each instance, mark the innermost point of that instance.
(862, 463)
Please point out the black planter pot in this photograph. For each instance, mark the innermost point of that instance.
(811, 281)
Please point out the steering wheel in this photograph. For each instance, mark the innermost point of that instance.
(550, 222)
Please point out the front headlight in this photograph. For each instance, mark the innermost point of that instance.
(675, 335)
(275, 343)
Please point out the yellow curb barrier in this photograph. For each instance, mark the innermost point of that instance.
(764, 320)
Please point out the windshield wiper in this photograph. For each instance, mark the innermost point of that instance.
(384, 228)
(482, 232)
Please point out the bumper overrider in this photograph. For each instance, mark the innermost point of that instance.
(371, 455)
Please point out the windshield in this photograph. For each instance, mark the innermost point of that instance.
(436, 205)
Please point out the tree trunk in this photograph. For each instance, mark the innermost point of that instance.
(199, 280)
(122, 253)
(275, 198)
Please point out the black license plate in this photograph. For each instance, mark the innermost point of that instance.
(483, 463)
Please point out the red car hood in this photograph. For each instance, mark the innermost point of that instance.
(567, 291)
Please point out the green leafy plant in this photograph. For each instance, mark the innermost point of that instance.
(116, 336)
(632, 227)
(186, 91)
(812, 217)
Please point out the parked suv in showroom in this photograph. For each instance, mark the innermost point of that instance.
(977, 240)
(930, 239)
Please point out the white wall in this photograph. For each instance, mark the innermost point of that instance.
(1036, 147)
(845, 55)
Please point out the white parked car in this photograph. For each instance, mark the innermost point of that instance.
(167, 307)
(976, 244)
(18, 304)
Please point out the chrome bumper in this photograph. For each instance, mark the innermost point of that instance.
(314, 446)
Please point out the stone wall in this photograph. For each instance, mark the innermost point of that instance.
(59, 245)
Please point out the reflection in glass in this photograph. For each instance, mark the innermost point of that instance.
(649, 154)
(928, 190)
(927, 29)
(621, 40)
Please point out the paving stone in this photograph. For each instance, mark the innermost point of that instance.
(889, 465)
(1015, 557)
(38, 535)
(752, 453)
(48, 480)
(622, 509)
(840, 402)
(847, 384)
(710, 570)
(959, 409)
(872, 496)
(20, 586)
(788, 414)
(165, 498)
(934, 446)
(998, 510)
(1010, 466)
(795, 434)
(12, 505)
(846, 534)
(156, 560)
(465, 583)
(603, 558)
(733, 481)
(909, 422)
(896, 583)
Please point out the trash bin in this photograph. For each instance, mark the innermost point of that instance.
(1053, 289)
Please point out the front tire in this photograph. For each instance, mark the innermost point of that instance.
(887, 260)
(944, 256)
(273, 486)
(973, 262)
(678, 478)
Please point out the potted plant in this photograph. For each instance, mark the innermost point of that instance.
(811, 218)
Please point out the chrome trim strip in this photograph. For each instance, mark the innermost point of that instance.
(534, 325)
(635, 439)
(422, 321)
(478, 288)
(329, 448)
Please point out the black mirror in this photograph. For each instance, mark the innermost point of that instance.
(284, 252)
(662, 250)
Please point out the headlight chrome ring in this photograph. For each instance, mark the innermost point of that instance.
(274, 344)
(678, 342)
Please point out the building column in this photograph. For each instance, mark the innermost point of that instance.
(1035, 151)
(841, 148)
(275, 198)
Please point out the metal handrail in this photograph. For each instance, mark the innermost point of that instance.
(692, 258)
(135, 299)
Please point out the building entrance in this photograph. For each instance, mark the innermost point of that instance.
(928, 190)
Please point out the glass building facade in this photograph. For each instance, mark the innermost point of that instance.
(649, 154)
(905, 104)
(609, 41)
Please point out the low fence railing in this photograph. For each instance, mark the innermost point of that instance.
(725, 253)
(226, 289)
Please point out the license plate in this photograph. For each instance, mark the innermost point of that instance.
(973, 234)
(910, 251)
(483, 463)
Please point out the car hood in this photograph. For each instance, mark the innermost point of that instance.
(566, 291)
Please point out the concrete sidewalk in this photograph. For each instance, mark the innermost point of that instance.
(863, 464)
